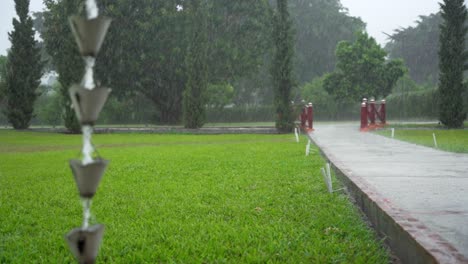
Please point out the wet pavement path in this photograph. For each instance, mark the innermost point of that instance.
(416, 197)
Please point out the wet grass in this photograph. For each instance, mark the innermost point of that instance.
(238, 124)
(419, 125)
(455, 140)
(179, 199)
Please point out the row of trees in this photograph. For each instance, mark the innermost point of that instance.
(149, 45)
(433, 50)
(186, 56)
(435, 53)
(418, 46)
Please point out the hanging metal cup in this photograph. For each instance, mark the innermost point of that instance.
(88, 103)
(85, 243)
(89, 34)
(88, 177)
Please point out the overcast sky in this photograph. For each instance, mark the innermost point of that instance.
(388, 15)
(379, 15)
(7, 11)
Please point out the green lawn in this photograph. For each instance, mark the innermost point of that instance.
(455, 140)
(240, 124)
(179, 199)
(420, 125)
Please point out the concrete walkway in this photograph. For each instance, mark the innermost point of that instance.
(416, 197)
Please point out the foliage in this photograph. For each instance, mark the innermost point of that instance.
(231, 198)
(146, 46)
(23, 68)
(452, 57)
(145, 49)
(240, 48)
(362, 71)
(448, 140)
(39, 26)
(63, 50)
(195, 97)
(134, 110)
(48, 106)
(419, 104)
(282, 67)
(324, 104)
(239, 37)
(3, 62)
(320, 25)
(219, 95)
(406, 84)
(245, 113)
(418, 47)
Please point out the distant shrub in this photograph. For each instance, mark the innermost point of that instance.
(241, 114)
(413, 105)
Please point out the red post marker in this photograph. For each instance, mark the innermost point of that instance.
(310, 116)
(383, 113)
(304, 117)
(364, 123)
(372, 112)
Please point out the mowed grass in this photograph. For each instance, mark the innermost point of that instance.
(207, 125)
(179, 199)
(454, 140)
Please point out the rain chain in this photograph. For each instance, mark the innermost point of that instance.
(88, 101)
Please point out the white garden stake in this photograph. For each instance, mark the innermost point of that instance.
(296, 134)
(308, 148)
(435, 140)
(328, 170)
(393, 132)
(328, 180)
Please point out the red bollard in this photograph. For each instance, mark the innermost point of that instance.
(372, 113)
(364, 123)
(383, 113)
(304, 117)
(310, 116)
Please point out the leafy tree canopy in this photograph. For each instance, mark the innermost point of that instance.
(418, 47)
(319, 26)
(362, 70)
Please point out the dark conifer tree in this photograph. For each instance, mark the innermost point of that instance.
(24, 69)
(62, 48)
(452, 57)
(282, 67)
(194, 98)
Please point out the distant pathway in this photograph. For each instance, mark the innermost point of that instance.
(415, 196)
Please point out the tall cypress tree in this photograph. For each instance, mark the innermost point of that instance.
(61, 46)
(282, 67)
(452, 58)
(194, 98)
(24, 69)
